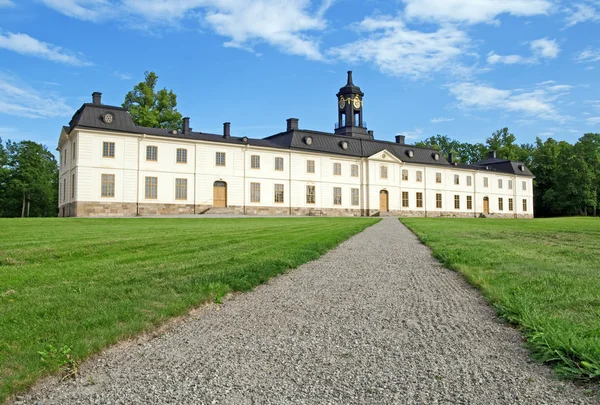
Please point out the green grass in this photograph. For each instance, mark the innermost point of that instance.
(84, 284)
(542, 275)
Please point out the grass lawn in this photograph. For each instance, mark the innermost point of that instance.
(541, 274)
(83, 284)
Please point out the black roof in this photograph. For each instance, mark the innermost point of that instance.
(91, 115)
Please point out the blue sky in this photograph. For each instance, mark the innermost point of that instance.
(461, 68)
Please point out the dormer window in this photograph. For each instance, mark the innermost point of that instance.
(522, 168)
(410, 153)
(436, 156)
(344, 145)
(308, 140)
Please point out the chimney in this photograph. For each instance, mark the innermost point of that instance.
(451, 158)
(292, 123)
(492, 154)
(349, 79)
(400, 139)
(96, 98)
(370, 132)
(186, 126)
(226, 130)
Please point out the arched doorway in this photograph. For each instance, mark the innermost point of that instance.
(383, 201)
(486, 205)
(220, 194)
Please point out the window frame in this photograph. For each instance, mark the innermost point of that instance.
(511, 204)
(438, 178)
(278, 191)
(310, 164)
(510, 184)
(255, 162)
(457, 180)
(73, 186)
(337, 169)
(469, 181)
(153, 188)
(108, 149)
(108, 185)
(311, 194)
(148, 149)
(181, 185)
(180, 153)
(404, 174)
(405, 200)
(337, 196)
(524, 204)
(500, 204)
(419, 176)
(277, 166)
(438, 200)
(500, 184)
(469, 202)
(456, 201)
(355, 196)
(383, 171)
(419, 199)
(220, 162)
(254, 192)
(524, 185)
(486, 182)
(354, 170)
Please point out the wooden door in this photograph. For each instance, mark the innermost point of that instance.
(383, 201)
(486, 205)
(220, 194)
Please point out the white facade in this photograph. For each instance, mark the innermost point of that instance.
(82, 166)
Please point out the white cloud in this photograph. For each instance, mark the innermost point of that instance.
(414, 134)
(588, 55)
(284, 25)
(20, 99)
(473, 11)
(399, 51)
(542, 48)
(593, 120)
(441, 119)
(6, 3)
(122, 76)
(582, 12)
(538, 102)
(26, 45)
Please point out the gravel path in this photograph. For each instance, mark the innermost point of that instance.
(375, 321)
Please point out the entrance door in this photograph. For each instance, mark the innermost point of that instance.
(220, 194)
(486, 205)
(383, 201)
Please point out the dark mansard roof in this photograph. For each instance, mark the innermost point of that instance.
(90, 115)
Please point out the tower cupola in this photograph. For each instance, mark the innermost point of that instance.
(350, 111)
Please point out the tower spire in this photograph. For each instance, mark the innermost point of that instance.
(350, 108)
(349, 79)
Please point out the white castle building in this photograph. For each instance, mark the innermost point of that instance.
(111, 167)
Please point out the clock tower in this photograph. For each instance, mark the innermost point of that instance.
(350, 110)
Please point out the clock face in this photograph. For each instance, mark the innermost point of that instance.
(108, 118)
(342, 103)
(356, 102)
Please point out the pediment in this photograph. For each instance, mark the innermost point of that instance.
(385, 156)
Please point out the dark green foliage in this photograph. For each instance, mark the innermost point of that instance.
(567, 176)
(28, 180)
(149, 108)
(70, 287)
(540, 274)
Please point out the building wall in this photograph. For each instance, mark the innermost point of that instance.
(82, 197)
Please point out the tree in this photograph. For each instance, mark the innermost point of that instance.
(588, 148)
(463, 152)
(31, 181)
(149, 108)
(3, 177)
(503, 142)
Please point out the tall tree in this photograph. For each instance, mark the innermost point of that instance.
(32, 180)
(503, 142)
(3, 177)
(588, 147)
(151, 108)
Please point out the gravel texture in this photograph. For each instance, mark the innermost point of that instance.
(376, 320)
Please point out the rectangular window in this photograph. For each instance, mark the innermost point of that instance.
(510, 204)
(108, 149)
(181, 155)
(469, 180)
(108, 185)
(310, 166)
(73, 186)
(337, 196)
(254, 192)
(404, 174)
(279, 163)
(469, 202)
(438, 200)
(310, 194)
(337, 169)
(355, 196)
(64, 189)
(438, 177)
(524, 185)
(510, 184)
(74, 149)
(255, 162)
(500, 204)
(456, 202)
(65, 155)
(151, 187)
(220, 159)
(383, 171)
(279, 193)
(499, 183)
(485, 182)
(456, 179)
(524, 205)
(181, 189)
(152, 153)
(405, 199)
(419, 200)
(354, 170)
(419, 176)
